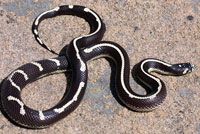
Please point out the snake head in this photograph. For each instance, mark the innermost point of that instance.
(183, 68)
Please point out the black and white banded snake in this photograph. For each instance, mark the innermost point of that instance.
(81, 50)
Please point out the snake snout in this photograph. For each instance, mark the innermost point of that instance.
(188, 68)
(183, 68)
(191, 67)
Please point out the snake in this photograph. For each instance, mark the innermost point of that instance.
(81, 50)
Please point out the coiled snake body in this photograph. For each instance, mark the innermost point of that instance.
(81, 50)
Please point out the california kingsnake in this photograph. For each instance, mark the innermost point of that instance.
(81, 50)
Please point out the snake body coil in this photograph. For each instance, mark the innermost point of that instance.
(81, 50)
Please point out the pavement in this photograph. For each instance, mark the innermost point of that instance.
(165, 29)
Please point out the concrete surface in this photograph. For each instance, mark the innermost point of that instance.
(159, 29)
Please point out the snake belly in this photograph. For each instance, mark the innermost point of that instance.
(79, 52)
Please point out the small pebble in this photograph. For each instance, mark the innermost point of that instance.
(190, 17)
(1, 126)
(136, 28)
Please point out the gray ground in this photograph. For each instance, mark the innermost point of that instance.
(158, 29)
